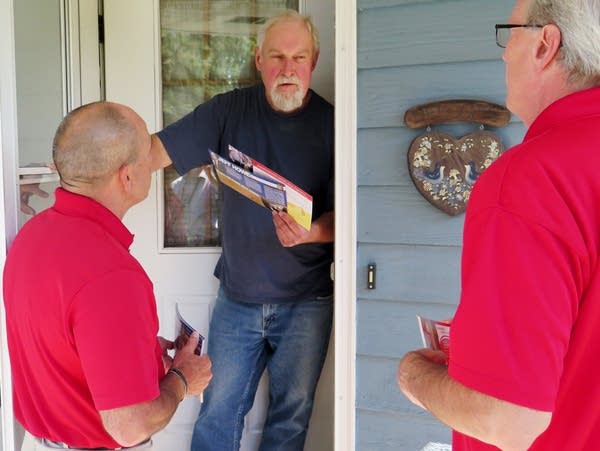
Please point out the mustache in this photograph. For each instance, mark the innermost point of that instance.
(282, 80)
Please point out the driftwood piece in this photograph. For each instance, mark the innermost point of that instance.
(458, 110)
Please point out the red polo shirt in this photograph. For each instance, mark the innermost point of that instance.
(81, 322)
(527, 326)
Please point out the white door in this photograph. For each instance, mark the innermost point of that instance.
(133, 50)
(43, 54)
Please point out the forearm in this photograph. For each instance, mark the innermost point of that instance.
(160, 157)
(322, 229)
(488, 419)
(133, 424)
(428, 385)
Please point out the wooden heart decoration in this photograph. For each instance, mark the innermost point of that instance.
(444, 168)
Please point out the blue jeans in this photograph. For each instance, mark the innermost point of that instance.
(290, 341)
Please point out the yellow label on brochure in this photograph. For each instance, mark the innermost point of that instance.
(301, 216)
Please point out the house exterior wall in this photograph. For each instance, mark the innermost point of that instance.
(410, 52)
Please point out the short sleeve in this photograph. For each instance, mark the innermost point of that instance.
(115, 328)
(189, 139)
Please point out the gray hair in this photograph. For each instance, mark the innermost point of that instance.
(579, 24)
(92, 142)
(289, 15)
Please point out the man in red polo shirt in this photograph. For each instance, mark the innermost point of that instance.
(88, 369)
(524, 345)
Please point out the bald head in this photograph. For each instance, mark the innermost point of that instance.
(93, 142)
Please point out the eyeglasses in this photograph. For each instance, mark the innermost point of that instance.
(503, 31)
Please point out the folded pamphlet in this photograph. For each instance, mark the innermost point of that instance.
(185, 330)
(263, 185)
(435, 334)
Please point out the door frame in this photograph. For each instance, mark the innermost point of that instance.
(8, 196)
(345, 216)
(345, 224)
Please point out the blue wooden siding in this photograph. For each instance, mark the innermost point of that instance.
(410, 52)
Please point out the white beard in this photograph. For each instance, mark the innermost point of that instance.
(287, 101)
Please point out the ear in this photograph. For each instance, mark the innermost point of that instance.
(548, 45)
(257, 59)
(124, 176)
(315, 59)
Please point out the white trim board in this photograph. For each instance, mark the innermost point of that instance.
(8, 215)
(345, 224)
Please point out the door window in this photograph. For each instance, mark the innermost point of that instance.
(207, 47)
(57, 66)
(40, 100)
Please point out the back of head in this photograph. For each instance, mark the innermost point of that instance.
(91, 143)
(285, 16)
(579, 23)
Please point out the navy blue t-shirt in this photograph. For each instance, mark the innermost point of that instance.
(254, 266)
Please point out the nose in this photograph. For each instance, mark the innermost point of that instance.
(289, 67)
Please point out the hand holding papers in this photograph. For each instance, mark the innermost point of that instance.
(185, 330)
(435, 334)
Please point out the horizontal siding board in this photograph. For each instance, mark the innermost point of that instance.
(384, 95)
(378, 431)
(382, 152)
(414, 219)
(389, 329)
(427, 33)
(376, 387)
(412, 273)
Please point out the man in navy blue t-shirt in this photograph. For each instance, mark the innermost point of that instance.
(275, 303)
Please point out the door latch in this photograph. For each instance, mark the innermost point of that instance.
(371, 272)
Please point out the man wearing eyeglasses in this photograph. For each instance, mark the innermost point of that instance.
(522, 371)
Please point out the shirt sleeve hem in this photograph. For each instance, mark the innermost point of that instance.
(504, 390)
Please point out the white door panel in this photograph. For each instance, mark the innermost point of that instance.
(196, 310)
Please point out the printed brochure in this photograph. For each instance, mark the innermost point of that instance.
(435, 334)
(263, 185)
(184, 332)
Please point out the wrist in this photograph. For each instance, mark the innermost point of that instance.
(179, 374)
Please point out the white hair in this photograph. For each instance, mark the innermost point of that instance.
(289, 15)
(579, 24)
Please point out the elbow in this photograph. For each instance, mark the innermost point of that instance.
(126, 430)
(127, 437)
(520, 435)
